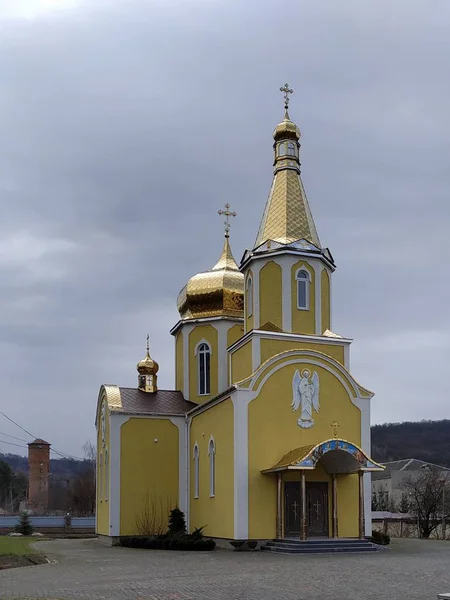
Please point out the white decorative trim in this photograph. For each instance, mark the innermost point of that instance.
(364, 406)
(115, 424)
(198, 344)
(203, 321)
(241, 400)
(285, 252)
(180, 423)
(187, 462)
(186, 362)
(281, 335)
(347, 356)
(256, 352)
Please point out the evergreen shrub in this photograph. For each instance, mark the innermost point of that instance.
(24, 526)
(380, 538)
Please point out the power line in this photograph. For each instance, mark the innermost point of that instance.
(17, 424)
(13, 437)
(12, 444)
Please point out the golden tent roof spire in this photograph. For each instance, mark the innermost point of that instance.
(287, 217)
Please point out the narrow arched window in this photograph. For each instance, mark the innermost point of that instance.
(291, 149)
(302, 278)
(204, 369)
(249, 297)
(106, 478)
(212, 468)
(196, 471)
(100, 478)
(282, 149)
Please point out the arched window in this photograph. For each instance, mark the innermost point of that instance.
(249, 297)
(303, 281)
(196, 471)
(100, 478)
(106, 478)
(204, 369)
(291, 149)
(282, 149)
(212, 468)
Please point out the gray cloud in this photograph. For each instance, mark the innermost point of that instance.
(126, 125)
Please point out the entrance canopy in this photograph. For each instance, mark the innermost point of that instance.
(336, 455)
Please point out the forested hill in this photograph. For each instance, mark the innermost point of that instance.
(425, 440)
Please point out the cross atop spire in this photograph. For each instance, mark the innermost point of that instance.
(286, 90)
(227, 214)
(148, 343)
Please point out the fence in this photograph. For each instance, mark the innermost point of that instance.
(406, 526)
(52, 524)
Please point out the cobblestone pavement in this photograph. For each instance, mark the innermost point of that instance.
(86, 569)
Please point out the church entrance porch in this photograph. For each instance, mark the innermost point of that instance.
(316, 509)
(311, 508)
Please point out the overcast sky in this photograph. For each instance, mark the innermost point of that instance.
(126, 124)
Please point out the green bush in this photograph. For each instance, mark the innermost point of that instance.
(24, 526)
(177, 523)
(380, 538)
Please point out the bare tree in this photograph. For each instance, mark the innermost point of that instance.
(82, 488)
(153, 517)
(428, 493)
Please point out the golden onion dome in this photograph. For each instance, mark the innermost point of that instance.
(214, 293)
(286, 129)
(147, 366)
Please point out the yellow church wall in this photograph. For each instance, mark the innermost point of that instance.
(241, 362)
(270, 295)
(209, 334)
(234, 334)
(303, 321)
(248, 318)
(348, 505)
(325, 300)
(273, 431)
(179, 372)
(216, 513)
(271, 347)
(102, 505)
(149, 472)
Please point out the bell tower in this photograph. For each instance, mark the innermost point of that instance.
(288, 272)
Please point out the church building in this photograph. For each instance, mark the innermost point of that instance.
(266, 434)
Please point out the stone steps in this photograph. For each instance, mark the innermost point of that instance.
(312, 546)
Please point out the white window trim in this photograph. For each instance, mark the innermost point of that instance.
(212, 467)
(308, 287)
(248, 304)
(196, 352)
(196, 454)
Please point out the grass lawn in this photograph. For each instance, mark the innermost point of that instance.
(20, 546)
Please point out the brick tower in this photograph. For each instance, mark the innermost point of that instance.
(38, 469)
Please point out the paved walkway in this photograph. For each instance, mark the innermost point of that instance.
(85, 569)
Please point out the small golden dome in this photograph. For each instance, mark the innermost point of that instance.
(286, 129)
(147, 366)
(214, 293)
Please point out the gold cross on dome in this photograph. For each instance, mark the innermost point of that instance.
(148, 342)
(227, 214)
(286, 91)
(335, 426)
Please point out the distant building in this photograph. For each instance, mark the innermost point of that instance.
(39, 471)
(387, 485)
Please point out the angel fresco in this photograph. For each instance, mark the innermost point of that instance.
(305, 388)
